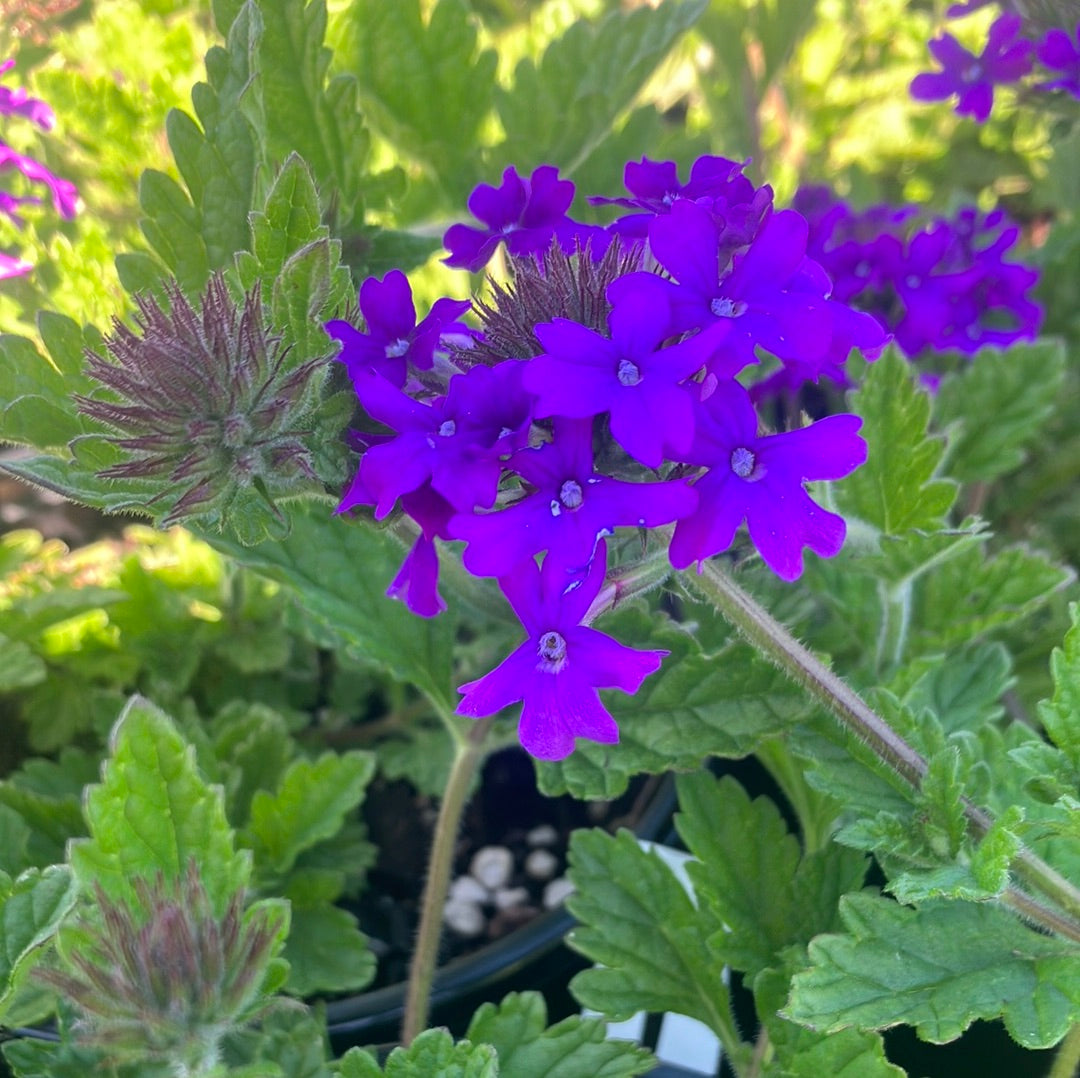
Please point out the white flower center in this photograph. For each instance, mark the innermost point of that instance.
(723, 307)
(396, 349)
(570, 494)
(628, 373)
(448, 429)
(552, 649)
(742, 462)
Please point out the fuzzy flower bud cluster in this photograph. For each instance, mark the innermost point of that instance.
(600, 399)
(15, 101)
(168, 979)
(937, 285)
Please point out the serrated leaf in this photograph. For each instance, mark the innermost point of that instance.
(289, 1041)
(515, 1028)
(1060, 715)
(896, 489)
(562, 108)
(433, 1052)
(751, 872)
(152, 812)
(31, 908)
(22, 666)
(337, 571)
(638, 923)
(696, 705)
(425, 84)
(998, 403)
(938, 968)
(310, 805)
(803, 1053)
(326, 952)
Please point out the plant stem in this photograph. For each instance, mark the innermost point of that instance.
(778, 645)
(1067, 1060)
(467, 757)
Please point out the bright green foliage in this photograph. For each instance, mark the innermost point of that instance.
(560, 109)
(326, 952)
(309, 806)
(432, 1052)
(805, 1053)
(696, 705)
(753, 876)
(638, 923)
(994, 408)
(938, 968)
(153, 812)
(1060, 716)
(574, 1048)
(31, 908)
(341, 569)
(425, 83)
(896, 489)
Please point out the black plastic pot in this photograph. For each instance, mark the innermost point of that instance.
(531, 957)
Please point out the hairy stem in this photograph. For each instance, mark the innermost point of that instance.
(1067, 1061)
(852, 712)
(467, 757)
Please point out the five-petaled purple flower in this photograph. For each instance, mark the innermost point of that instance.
(1006, 58)
(1060, 51)
(557, 670)
(759, 479)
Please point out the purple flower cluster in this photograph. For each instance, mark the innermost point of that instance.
(935, 285)
(599, 398)
(17, 102)
(1009, 55)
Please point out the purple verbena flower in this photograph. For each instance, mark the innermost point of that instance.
(394, 340)
(65, 196)
(12, 266)
(15, 101)
(569, 509)
(628, 375)
(526, 214)
(1060, 51)
(416, 583)
(556, 672)
(455, 442)
(759, 479)
(1006, 59)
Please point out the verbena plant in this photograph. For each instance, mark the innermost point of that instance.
(564, 455)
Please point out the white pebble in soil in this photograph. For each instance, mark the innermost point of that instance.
(492, 866)
(556, 892)
(541, 865)
(542, 835)
(506, 898)
(464, 918)
(467, 889)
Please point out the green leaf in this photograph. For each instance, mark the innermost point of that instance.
(432, 1053)
(374, 251)
(337, 571)
(289, 1041)
(803, 1053)
(895, 489)
(1018, 388)
(310, 805)
(153, 812)
(326, 952)
(696, 705)
(31, 908)
(424, 83)
(22, 666)
(639, 924)
(938, 968)
(1060, 715)
(561, 109)
(515, 1028)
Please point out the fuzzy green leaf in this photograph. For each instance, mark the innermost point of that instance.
(895, 489)
(938, 968)
(516, 1029)
(22, 666)
(1018, 388)
(1060, 715)
(326, 952)
(310, 805)
(424, 82)
(561, 109)
(694, 706)
(153, 812)
(638, 923)
(433, 1052)
(338, 571)
(963, 690)
(31, 908)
